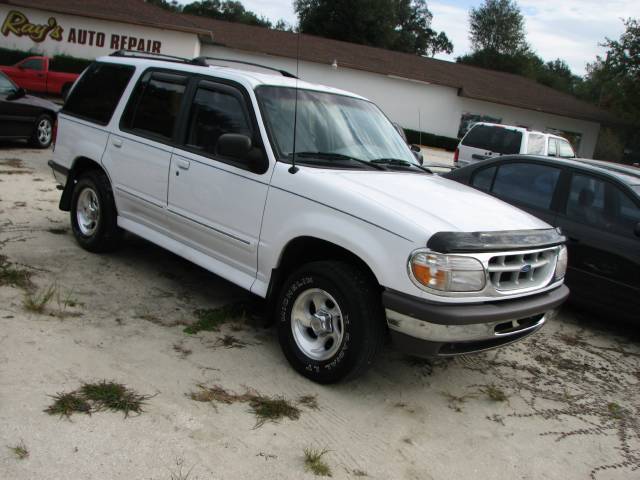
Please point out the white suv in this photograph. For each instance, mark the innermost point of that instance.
(349, 240)
(486, 140)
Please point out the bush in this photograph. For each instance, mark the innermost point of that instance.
(431, 140)
(59, 63)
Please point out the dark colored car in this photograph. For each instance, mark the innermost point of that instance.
(597, 206)
(25, 117)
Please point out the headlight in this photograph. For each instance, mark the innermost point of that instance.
(561, 264)
(447, 273)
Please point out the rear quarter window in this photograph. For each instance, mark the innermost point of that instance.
(528, 183)
(494, 139)
(98, 91)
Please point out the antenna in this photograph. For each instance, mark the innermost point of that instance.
(293, 168)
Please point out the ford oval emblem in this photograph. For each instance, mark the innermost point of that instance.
(525, 268)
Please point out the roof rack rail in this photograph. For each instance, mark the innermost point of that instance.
(203, 60)
(157, 56)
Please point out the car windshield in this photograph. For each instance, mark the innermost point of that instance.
(331, 129)
(6, 85)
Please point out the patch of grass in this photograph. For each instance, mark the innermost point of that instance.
(359, 473)
(65, 404)
(265, 408)
(37, 302)
(14, 277)
(211, 319)
(456, 402)
(495, 393)
(96, 397)
(229, 341)
(272, 409)
(314, 463)
(20, 450)
(616, 410)
(309, 401)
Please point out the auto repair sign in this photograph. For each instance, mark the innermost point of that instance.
(18, 24)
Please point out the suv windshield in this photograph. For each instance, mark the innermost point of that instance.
(330, 128)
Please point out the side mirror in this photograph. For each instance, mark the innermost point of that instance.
(233, 145)
(240, 147)
(19, 93)
(637, 229)
(419, 157)
(415, 148)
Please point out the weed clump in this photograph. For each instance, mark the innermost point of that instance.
(495, 393)
(96, 397)
(265, 408)
(14, 277)
(211, 319)
(20, 450)
(36, 302)
(314, 463)
(309, 401)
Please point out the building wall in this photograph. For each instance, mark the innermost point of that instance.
(55, 33)
(419, 105)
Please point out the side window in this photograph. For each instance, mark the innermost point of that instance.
(98, 92)
(33, 64)
(586, 203)
(553, 147)
(565, 150)
(536, 144)
(626, 213)
(216, 110)
(478, 137)
(155, 104)
(483, 179)
(528, 183)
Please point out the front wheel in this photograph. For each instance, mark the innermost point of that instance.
(330, 321)
(93, 213)
(43, 132)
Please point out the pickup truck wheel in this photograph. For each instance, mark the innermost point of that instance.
(330, 321)
(43, 133)
(93, 213)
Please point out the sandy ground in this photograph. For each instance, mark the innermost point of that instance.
(564, 404)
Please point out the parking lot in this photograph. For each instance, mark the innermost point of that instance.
(563, 404)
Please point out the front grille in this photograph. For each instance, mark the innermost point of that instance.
(522, 270)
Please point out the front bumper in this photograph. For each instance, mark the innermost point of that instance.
(429, 329)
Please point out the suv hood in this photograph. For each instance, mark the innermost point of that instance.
(411, 204)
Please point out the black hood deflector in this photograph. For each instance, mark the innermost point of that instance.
(463, 242)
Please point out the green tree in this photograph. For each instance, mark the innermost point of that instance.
(498, 26)
(613, 81)
(230, 10)
(401, 25)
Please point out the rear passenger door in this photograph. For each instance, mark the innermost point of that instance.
(139, 155)
(215, 202)
(604, 254)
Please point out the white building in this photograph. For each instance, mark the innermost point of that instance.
(428, 95)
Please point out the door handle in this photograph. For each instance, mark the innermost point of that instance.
(183, 164)
(116, 142)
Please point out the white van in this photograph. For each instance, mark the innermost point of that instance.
(486, 140)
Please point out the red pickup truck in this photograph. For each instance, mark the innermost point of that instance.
(33, 74)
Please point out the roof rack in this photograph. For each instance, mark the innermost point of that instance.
(157, 56)
(203, 60)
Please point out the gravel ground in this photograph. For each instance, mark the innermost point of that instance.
(564, 404)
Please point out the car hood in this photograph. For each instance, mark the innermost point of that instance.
(410, 204)
(39, 102)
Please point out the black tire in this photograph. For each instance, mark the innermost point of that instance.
(105, 235)
(358, 299)
(42, 132)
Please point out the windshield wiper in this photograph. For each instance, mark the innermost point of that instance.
(335, 157)
(397, 162)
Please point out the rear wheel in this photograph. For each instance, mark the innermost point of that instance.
(93, 213)
(330, 321)
(43, 132)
